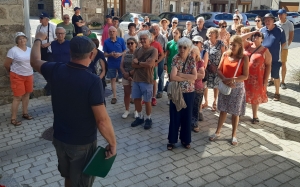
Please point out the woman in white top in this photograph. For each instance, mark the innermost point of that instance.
(17, 63)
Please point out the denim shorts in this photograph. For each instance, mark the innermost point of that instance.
(72, 159)
(142, 89)
(275, 69)
(112, 73)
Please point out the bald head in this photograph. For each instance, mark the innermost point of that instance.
(112, 32)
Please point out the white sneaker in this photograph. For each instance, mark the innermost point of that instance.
(120, 80)
(125, 115)
(168, 103)
(135, 114)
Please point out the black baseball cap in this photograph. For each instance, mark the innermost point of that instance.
(76, 8)
(44, 15)
(81, 45)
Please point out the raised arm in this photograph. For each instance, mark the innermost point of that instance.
(35, 56)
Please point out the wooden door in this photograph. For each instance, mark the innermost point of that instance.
(147, 6)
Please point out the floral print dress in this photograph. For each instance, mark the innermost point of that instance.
(214, 57)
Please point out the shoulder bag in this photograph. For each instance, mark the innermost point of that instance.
(223, 88)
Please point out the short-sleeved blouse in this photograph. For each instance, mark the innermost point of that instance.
(190, 64)
(127, 61)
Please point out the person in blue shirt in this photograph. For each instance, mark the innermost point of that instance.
(60, 47)
(274, 40)
(78, 108)
(113, 48)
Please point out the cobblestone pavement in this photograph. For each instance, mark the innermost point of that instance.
(268, 154)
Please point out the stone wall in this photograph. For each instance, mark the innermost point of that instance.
(39, 6)
(134, 6)
(90, 11)
(12, 21)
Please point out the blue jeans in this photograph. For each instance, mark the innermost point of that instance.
(161, 76)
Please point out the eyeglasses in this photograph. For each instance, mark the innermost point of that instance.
(235, 19)
(257, 20)
(182, 47)
(130, 43)
(58, 33)
(66, 18)
(175, 23)
(195, 42)
(224, 26)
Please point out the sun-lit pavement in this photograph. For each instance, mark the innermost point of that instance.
(268, 154)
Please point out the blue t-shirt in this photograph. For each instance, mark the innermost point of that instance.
(61, 52)
(74, 91)
(273, 40)
(117, 46)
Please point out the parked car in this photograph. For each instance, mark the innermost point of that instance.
(293, 17)
(128, 18)
(212, 18)
(251, 19)
(262, 13)
(182, 18)
(153, 18)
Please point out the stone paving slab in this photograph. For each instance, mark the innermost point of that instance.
(268, 154)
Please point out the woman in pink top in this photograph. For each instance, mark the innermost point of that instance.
(195, 53)
(235, 102)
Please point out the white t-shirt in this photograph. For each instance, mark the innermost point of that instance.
(21, 61)
(52, 35)
(287, 26)
(126, 36)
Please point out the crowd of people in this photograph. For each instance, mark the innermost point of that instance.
(236, 62)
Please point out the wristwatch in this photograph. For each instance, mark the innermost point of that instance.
(37, 40)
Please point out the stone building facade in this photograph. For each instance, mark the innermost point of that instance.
(39, 6)
(12, 21)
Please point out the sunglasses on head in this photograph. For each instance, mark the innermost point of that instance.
(224, 26)
(175, 23)
(257, 20)
(130, 43)
(182, 47)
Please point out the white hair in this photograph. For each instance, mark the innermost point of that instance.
(58, 28)
(188, 22)
(112, 27)
(174, 19)
(155, 25)
(200, 18)
(145, 33)
(184, 41)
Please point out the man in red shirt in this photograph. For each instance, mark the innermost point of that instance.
(161, 55)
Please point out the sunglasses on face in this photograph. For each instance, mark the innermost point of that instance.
(130, 43)
(182, 47)
(224, 26)
(195, 42)
(145, 25)
(257, 35)
(235, 19)
(175, 23)
(257, 20)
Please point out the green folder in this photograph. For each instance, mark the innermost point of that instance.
(98, 165)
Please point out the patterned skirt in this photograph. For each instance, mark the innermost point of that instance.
(235, 103)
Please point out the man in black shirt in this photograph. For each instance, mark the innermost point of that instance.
(77, 21)
(199, 30)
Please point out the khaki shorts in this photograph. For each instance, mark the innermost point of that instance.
(126, 82)
(284, 54)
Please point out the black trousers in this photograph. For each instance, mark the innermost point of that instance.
(182, 119)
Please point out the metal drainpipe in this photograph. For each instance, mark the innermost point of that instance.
(27, 23)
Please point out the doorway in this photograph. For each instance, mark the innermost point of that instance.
(173, 7)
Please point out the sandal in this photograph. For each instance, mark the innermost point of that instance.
(270, 83)
(15, 122)
(196, 128)
(234, 141)
(205, 105)
(214, 107)
(213, 137)
(26, 116)
(170, 146)
(187, 146)
(113, 101)
(276, 97)
(255, 121)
